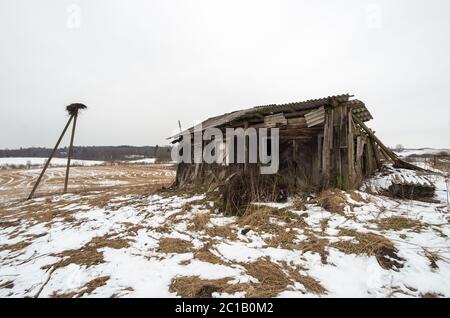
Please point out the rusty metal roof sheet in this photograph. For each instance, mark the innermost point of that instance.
(358, 107)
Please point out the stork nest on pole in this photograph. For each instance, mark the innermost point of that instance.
(73, 109)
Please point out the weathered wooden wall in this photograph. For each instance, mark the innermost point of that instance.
(329, 150)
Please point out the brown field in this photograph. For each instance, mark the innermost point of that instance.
(16, 184)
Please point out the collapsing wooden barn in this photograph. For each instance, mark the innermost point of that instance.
(322, 143)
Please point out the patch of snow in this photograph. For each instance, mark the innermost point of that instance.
(56, 162)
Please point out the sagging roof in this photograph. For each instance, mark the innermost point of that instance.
(358, 108)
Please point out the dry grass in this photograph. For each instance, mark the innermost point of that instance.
(89, 255)
(258, 218)
(271, 277)
(176, 218)
(324, 225)
(15, 247)
(355, 196)
(108, 241)
(332, 200)
(282, 237)
(310, 284)
(187, 207)
(173, 245)
(299, 204)
(370, 244)
(94, 284)
(433, 257)
(398, 223)
(196, 287)
(199, 222)
(205, 255)
(315, 245)
(224, 231)
(86, 256)
(135, 179)
(164, 229)
(432, 295)
(7, 285)
(272, 280)
(88, 288)
(6, 224)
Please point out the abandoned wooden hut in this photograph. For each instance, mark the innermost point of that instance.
(322, 143)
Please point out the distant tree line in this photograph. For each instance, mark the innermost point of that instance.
(101, 153)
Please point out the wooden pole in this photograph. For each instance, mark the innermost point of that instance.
(50, 158)
(388, 153)
(69, 156)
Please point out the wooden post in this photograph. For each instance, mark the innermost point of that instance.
(351, 152)
(50, 158)
(69, 156)
(388, 153)
(326, 148)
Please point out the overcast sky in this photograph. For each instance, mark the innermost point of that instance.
(140, 65)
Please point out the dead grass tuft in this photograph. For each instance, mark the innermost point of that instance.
(7, 285)
(398, 223)
(88, 288)
(175, 219)
(89, 255)
(314, 245)
(299, 204)
(6, 224)
(205, 255)
(333, 201)
(225, 231)
(271, 277)
(173, 245)
(258, 218)
(356, 196)
(282, 237)
(310, 284)
(199, 222)
(108, 241)
(94, 284)
(187, 207)
(433, 257)
(432, 295)
(272, 280)
(196, 287)
(15, 247)
(324, 225)
(370, 244)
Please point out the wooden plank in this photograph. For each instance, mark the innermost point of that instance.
(273, 121)
(387, 152)
(315, 117)
(326, 148)
(351, 151)
(336, 160)
(297, 121)
(344, 147)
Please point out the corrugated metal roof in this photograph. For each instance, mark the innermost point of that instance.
(315, 117)
(358, 108)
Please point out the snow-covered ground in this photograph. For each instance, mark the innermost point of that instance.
(150, 245)
(421, 151)
(56, 162)
(144, 160)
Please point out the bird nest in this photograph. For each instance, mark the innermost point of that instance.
(74, 108)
